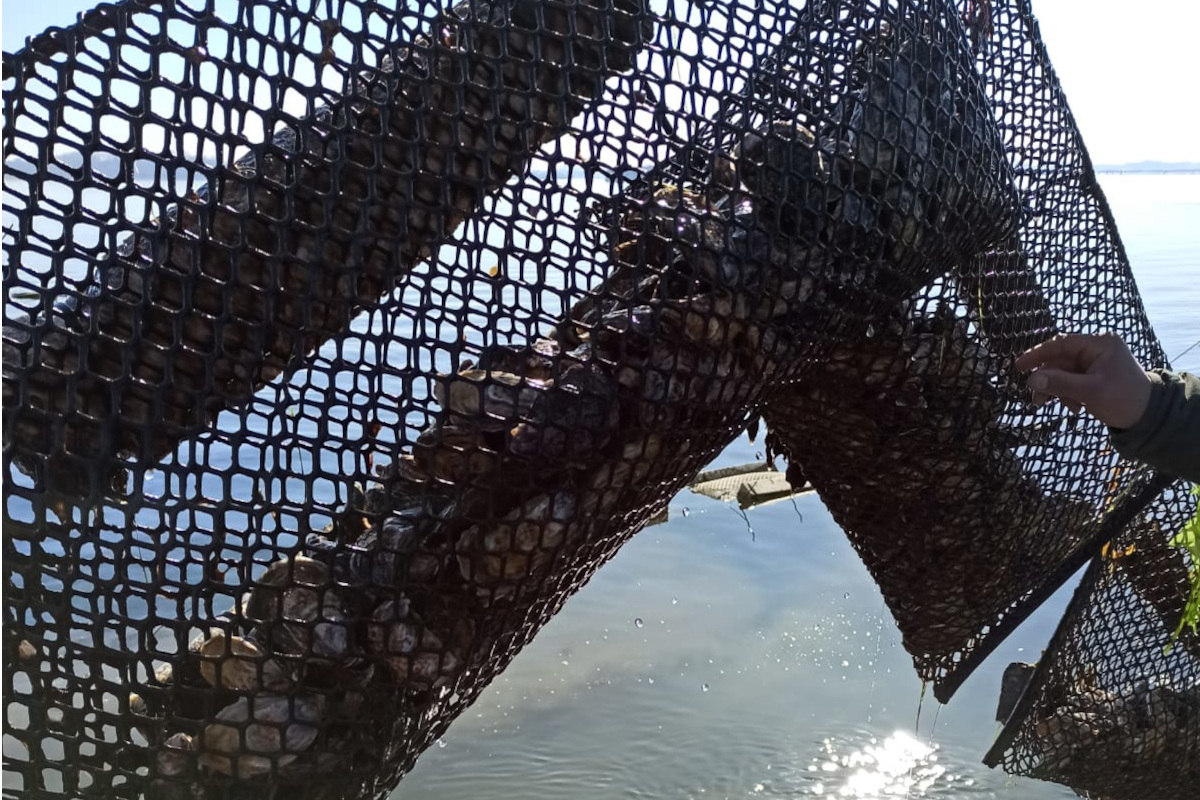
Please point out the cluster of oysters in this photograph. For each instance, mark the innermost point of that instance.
(279, 687)
(783, 280)
(1091, 731)
(275, 254)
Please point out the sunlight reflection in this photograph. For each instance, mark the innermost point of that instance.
(898, 766)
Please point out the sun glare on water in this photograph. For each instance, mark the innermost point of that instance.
(898, 766)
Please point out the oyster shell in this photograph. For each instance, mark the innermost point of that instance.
(392, 553)
(176, 755)
(256, 735)
(455, 454)
(488, 393)
(413, 655)
(239, 664)
(495, 558)
(299, 611)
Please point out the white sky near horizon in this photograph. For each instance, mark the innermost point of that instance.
(1131, 71)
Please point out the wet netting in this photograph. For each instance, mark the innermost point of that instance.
(344, 341)
(1113, 708)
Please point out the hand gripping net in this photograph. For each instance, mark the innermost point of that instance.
(343, 342)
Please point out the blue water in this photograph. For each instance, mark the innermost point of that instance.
(1159, 220)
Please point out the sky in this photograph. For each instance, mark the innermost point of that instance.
(1129, 69)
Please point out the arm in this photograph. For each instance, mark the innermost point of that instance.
(1167, 436)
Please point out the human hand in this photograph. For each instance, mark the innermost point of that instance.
(1093, 372)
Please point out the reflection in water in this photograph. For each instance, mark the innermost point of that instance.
(703, 663)
(898, 766)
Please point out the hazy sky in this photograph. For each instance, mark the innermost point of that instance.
(1131, 70)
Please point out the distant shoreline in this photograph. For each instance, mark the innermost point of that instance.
(1151, 168)
(1120, 171)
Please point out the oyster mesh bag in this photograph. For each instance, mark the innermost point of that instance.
(1113, 708)
(344, 341)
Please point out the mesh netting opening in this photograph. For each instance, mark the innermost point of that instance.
(343, 342)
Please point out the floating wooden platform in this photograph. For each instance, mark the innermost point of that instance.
(751, 485)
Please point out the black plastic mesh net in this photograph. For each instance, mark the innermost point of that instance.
(1113, 708)
(344, 341)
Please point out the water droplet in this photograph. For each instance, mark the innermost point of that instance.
(674, 601)
(441, 742)
(638, 622)
(704, 687)
(685, 511)
(845, 663)
(650, 680)
(846, 595)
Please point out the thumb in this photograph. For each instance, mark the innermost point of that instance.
(1074, 386)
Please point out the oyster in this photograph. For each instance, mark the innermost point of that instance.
(176, 755)
(413, 655)
(239, 664)
(455, 454)
(392, 553)
(494, 558)
(497, 395)
(257, 735)
(299, 611)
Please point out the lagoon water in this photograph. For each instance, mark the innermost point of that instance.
(728, 656)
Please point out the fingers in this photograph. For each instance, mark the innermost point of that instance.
(1069, 351)
(1072, 388)
(1096, 372)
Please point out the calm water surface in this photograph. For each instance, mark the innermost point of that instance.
(722, 656)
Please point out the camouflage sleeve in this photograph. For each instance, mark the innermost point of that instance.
(1167, 437)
